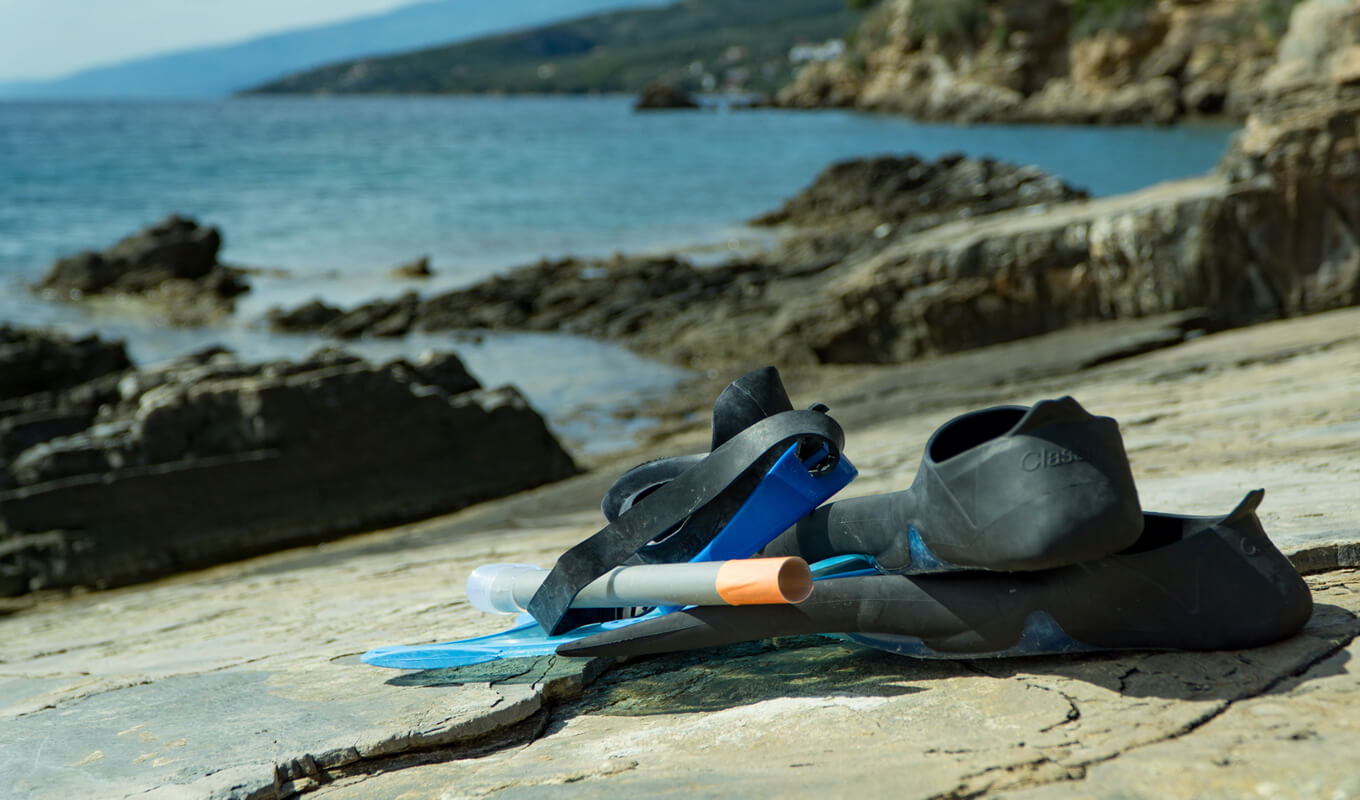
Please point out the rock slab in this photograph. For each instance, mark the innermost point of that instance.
(243, 681)
(211, 459)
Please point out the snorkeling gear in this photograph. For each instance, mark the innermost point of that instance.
(1187, 583)
(1021, 534)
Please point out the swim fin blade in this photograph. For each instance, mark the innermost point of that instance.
(1187, 583)
(524, 640)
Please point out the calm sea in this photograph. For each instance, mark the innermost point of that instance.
(336, 191)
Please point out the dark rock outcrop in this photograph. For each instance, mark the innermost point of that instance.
(172, 264)
(662, 97)
(210, 459)
(654, 304)
(51, 385)
(32, 362)
(376, 318)
(910, 194)
(310, 316)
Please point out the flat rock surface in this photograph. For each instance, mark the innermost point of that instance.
(243, 680)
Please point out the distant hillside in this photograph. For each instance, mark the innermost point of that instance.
(697, 44)
(217, 71)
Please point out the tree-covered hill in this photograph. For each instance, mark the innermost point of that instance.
(223, 69)
(696, 44)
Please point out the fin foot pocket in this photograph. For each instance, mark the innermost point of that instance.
(1010, 488)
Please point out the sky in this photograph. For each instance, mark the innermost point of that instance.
(51, 38)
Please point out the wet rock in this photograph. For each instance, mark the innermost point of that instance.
(210, 459)
(444, 370)
(662, 96)
(172, 264)
(378, 318)
(307, 317)
(382, 318)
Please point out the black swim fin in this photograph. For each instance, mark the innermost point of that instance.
(1006, 488)
(1187, 583)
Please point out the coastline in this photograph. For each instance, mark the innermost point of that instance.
(332, 250)
(194, 555)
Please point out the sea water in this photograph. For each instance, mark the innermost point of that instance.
(334, 192)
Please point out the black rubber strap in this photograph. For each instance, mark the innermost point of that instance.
(704, 497)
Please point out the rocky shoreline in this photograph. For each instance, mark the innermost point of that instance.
(894, 259)
(883, 260)
(670, 308)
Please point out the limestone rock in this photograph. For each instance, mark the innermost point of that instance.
(212, 459)
(1281, 238)
(243, 681)
(1066, 101)
(1050, 61)
(822, 84)
(908, 193)
(1322, 46)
